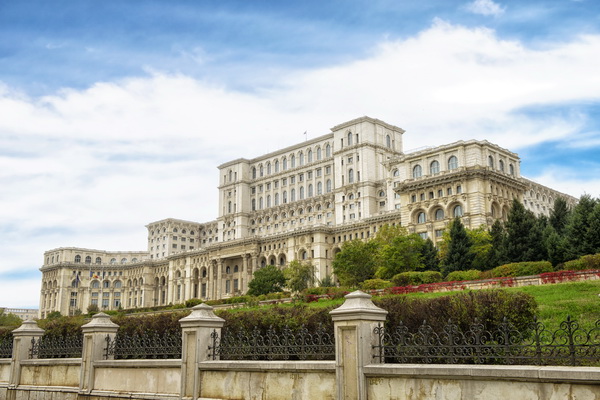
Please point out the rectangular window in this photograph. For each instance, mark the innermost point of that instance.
(104, 303)
(182, 247)
(459, 189)
(300, 177)
(422, 196)
(319, 172)
(423, 235)
(440, 193)
(292, 180)
(253, 190)
(174, 237)
(95, 302)
(327, 170)
(73, 303)
(439, 232)
(284, 182)
(174, 246)
(413, 198)
(449, 191)
(183, 239)
(235, 285)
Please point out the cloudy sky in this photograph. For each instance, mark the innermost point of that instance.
(114, 114)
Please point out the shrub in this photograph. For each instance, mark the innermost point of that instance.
(158, 323)
(522, 269)
(62, 326)
(489, 307)
(591, 261)
(192, 302)
(373, 284)
(416, 278)
(470, 275)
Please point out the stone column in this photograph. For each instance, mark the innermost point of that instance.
(219, 278)
(245, 268)
(196, 330)
(354, 322)
(22, 337)
(94, 345)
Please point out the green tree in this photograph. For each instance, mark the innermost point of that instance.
(519, 227)
(481, 246)
(266, 280)
(496, 255)
(355, 263)
(458, 256)
(430, 254)
(557, 247)
(9, 320)
(593, 235)
(401, 254)
(559, 217)
(578, 230)
(299, 276)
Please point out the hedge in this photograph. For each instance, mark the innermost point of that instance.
(416, 278)
(374, 284)
(470, 275)
(591, 261)
(522, 269)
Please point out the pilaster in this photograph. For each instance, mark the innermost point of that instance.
(95, 333)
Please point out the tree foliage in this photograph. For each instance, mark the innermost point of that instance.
(299, 276)
(355, 262)
(459, 256)
(268, 279)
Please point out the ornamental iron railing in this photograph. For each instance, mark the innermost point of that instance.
(273, 345)
(6, 347)
(143, 347)
(568, 345)
(56, 347)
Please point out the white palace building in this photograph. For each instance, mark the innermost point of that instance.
(301, 202)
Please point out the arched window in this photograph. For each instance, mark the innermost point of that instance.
(491, 162)
(75, 283)
(388, 141)
(421, 218)
(260, 203)
(319, 188)
(293, 195)
(328, 150)
(350, 175)
(262, 170)
(123, 260)
(175, 230)
(284, 197)
(268, 168)
(293, 161)
(328, 186)
(301, 158)
(228, 270)
(253, 204)
(309, 155)
(417, 171)
(349, 138)
(77, 258)
(351, 196)
(319, 154)
(452, 163)
(230, 175)
(458, 211)
(511, 169)
(229, 207)
(98, 260)
(95, 285)
(439, 214)
(284, 163)
(134, 260)
(310, 190)
(253, 172)
(88, 260)
(381, 193)
(396, 173)
(117, 284)
(301, 192)
(268, 200)
(106, 284)
(276, 166)
(501, 165)
(434, 167)
(276, 199)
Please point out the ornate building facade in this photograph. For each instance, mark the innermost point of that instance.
(301, 202)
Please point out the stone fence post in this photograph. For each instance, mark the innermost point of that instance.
(354, 322)
(22, 337)
(94, 345)
(196, 330)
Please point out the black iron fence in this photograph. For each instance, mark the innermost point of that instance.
(147, 346)
(56, 347)
(6, 347)
(273, 345)
(569, 345)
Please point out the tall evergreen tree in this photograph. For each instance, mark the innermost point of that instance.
(496, 256)
(579, 226)
(430, 256)
(593, 235)
(458, 256)
(556, 246)
(519, 224)
(559, 217)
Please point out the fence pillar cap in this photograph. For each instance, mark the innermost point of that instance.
(100, 323)
(28, 328)
(358, 305)
(202, 316)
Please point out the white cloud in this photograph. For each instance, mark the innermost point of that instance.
(485, 7)
(91, 167)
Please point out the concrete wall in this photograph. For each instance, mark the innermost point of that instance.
(4, 371)
(51, 372)
(460, 382)
(276, 380)
(138, 376)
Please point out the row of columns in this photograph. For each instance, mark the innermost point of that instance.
(354, 324)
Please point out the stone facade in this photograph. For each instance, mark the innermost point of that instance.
(301, 202)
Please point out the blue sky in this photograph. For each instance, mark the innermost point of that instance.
(114, 114)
